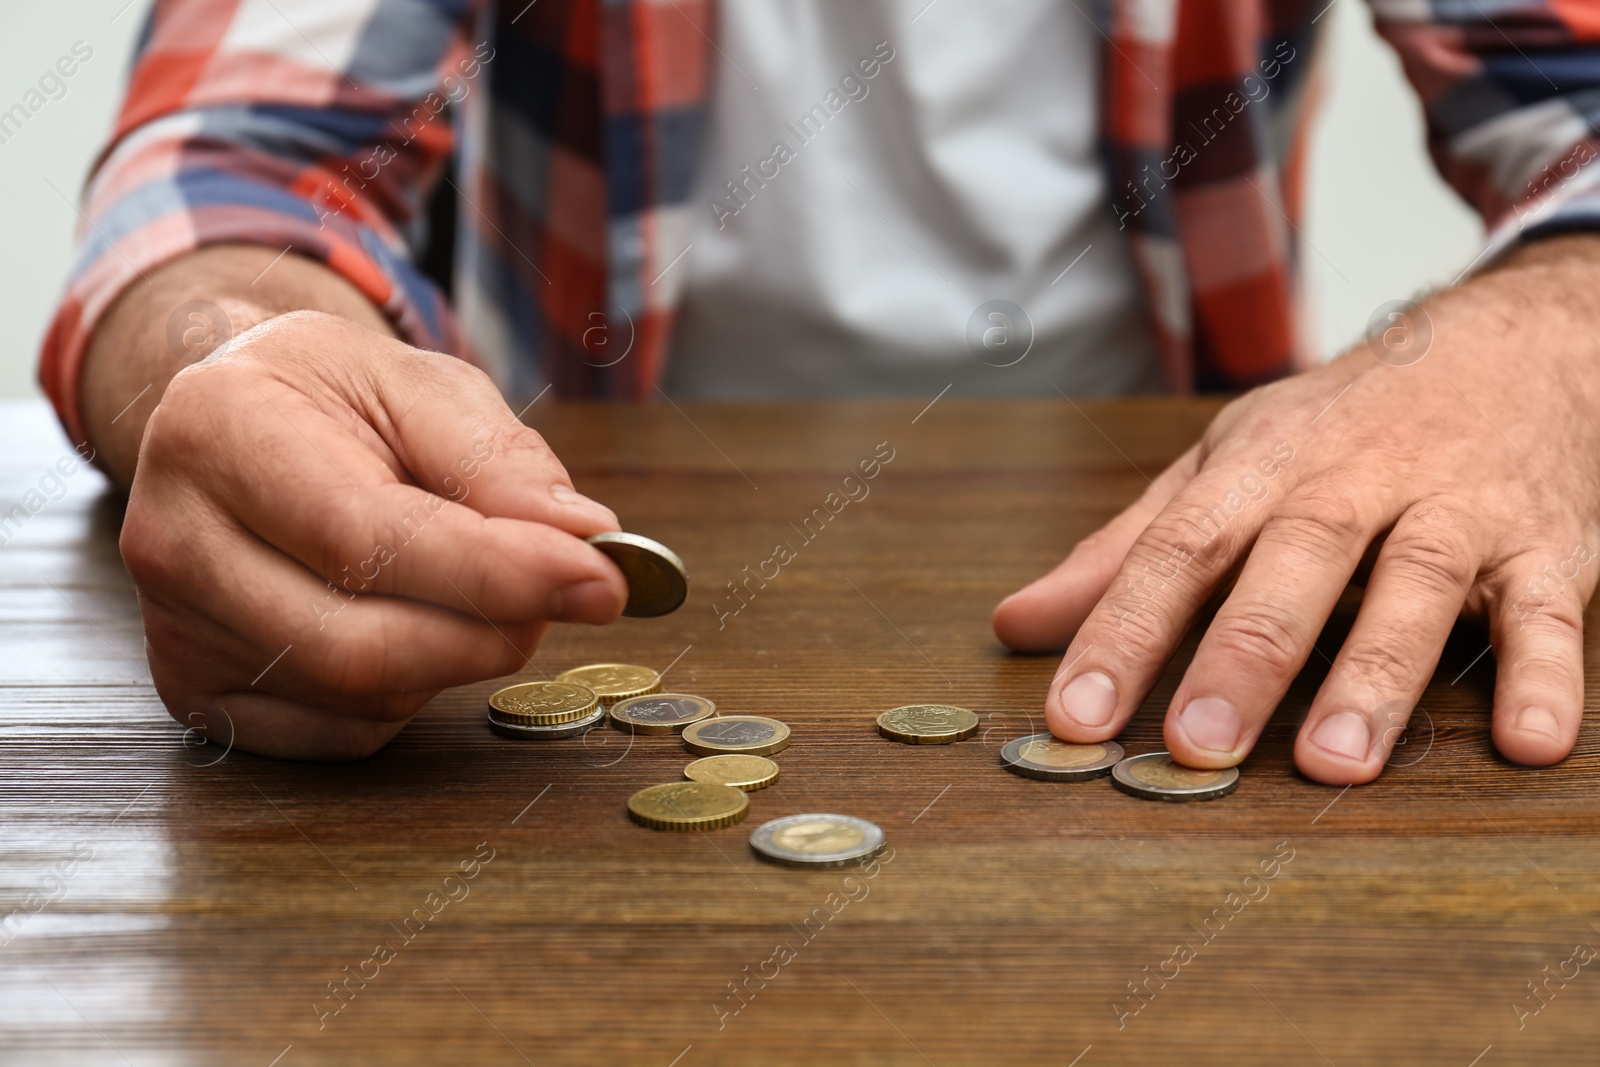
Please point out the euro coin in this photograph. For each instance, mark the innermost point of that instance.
(544, 703)
(687, 806)
(658, 582)
(660, 713)
(928, 724)
(1045, 757)
(747, 773)
(1156, 776)
(614, 681)
(817, 840)
(523, 732)
(751, 735)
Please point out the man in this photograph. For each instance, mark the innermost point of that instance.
(268, 178)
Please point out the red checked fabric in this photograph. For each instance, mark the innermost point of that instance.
(323, 125)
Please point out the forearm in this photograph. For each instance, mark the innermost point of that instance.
(190, 306)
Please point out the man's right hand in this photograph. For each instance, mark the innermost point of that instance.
(327, 527)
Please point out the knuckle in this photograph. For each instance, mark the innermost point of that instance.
(1322, 517)
(1131, 627)
(1435, 556)
(1558, 622)
(1382, 661)
(151, 552)
(1260, 635)
(1188, 533)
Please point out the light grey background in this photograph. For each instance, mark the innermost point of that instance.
(1379, 226)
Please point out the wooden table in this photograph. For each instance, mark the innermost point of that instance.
(210, 900)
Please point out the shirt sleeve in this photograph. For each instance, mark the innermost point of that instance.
(1512, 95)
(317, 126)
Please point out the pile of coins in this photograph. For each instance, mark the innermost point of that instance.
(732, 763)
(1152, 776)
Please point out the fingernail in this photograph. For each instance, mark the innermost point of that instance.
(1211, 723)
(591, 601)
(1090, 699)
(1344, 733)
(1537, 720)
(565, 494)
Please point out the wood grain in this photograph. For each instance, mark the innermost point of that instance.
(225, 892)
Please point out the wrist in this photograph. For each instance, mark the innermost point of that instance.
(190, 307)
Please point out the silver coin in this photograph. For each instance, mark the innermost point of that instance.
(520, 732)
(658, 582)
(821, 840)
(1156, 776)
(660, 713)
(1049, 759)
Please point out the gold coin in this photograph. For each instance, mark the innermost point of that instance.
(660, 713)
(688, 806)
(753, 735)
(748, 773)
(544, 703)
(928, 724)
(614, 681)
(1156, 776)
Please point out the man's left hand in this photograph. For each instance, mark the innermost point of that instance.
(1465, 460)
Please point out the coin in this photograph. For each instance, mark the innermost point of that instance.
(928, 724)
(522, 732)
(817, 840)
(687, 806)
(658, 582)
(752, 735)
(1156, 776)
(1045, 757)
(660, 713)
(544, 703)
(748, 773)
(614, 681)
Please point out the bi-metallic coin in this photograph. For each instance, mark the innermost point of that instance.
(820, 840)
(658, 582)
(753, 735)
(748, 773)
(660, 713)
(614, 681)
(1156, 776)
(687, 806)
(544, 703)
(1047, 758)
(928, 724)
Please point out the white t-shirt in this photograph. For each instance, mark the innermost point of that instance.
(895, 168)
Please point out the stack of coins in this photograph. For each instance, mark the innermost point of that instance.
(543, 711)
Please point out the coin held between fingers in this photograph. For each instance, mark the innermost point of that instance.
(658, 582)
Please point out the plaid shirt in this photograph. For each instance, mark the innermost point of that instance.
(323, 125)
